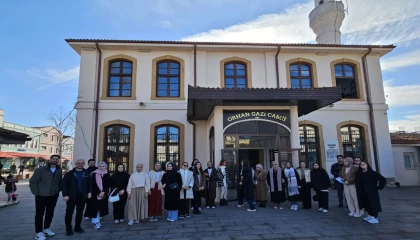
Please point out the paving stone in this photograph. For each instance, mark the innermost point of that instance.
(305, 234)
(276, 236)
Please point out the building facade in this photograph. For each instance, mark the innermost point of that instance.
(32, 146)
(49, 140)
(406, 153)
(148, 101)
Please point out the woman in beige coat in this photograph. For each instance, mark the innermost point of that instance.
(348, 175)
(260, 178)
(138, 190)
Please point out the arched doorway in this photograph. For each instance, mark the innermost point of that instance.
(260, 141)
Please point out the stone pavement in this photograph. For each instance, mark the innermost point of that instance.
(400, 220)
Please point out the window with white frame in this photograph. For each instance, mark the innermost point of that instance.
(409, 161)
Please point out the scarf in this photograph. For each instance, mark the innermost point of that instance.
(292, 185)
(223, 171)
(98, 178)
(279, 186)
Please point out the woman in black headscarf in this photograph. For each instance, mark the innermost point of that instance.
(171, 184)
(320, 182)
(246, 187)
(119, 181)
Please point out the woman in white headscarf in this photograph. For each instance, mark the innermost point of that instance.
(97, 206)
(138, 190)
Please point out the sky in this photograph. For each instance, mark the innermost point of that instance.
(39, 71)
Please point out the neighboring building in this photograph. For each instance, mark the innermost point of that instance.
(175, 101)
(31, 146)
(9, 136)
(67, 147)
(50, 140)
(406, 152)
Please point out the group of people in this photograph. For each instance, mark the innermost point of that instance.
(183, 189)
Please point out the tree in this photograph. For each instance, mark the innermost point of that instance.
(64, 121)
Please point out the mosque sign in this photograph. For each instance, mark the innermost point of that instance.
(276, 116)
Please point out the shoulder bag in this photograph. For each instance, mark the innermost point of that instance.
(115, 198)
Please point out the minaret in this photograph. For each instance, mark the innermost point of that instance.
(326, 19)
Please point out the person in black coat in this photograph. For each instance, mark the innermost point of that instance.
(246, 187)
(370, 182)
(171, 184)
(320, 182)
(90, 169)
(97, 206)
(119, 182)
(76, 188)
(211, 185)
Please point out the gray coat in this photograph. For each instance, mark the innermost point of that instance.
(44, 183)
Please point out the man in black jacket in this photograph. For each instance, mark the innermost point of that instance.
(76, 188)
(45, 184)
(335, 171)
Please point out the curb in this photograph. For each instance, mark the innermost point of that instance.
(3, 205)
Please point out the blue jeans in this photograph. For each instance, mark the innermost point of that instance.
(173, 215)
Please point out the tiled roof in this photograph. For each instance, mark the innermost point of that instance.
(227, 43)
(405, 138)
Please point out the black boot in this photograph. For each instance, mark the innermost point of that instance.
(221, 202)
(260, 205)
(225, 202)
(264, 205)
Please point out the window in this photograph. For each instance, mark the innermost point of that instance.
(120, 77)
(235, 75)
(309, 145)
(52, 138)
(43, 147)
(50, 149)
(36, 145)
(352, 137)
(410, 161)
(300, 75)
(44, 135)
(56, 150)
(117, 146)
(346, 80)
(167, 144)
(168, 79)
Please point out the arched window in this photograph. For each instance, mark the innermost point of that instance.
(309, 145)
(235, 75)
(117, 146)
(211, 144)
(353, 140)
(167, 140)
(120, 78)
(300, 75)
(345, 78)
(168, 79)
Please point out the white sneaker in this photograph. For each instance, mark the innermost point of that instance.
(48, 232)
(87, 218)
(240, 205)
(295, 208)
(325, 211)
(356, 216)
(362, 212)
(137, 221)
(40, 236)
(199, 208)
(275, 207)
(213, 207)
(192, 208)
(121, 220)
(96, 225)
(351, 214)
(251, 210)
(367, 218)
(292, 207)
(373, 220)
(320, 209)
(130, 222)
(208, 207)
(280, 208)
(116, 221)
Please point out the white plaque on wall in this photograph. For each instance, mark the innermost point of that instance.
(331, 150)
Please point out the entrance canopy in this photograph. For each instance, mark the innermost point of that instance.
(12, 137)
(202, 100)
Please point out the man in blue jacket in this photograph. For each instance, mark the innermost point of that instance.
(76, 188)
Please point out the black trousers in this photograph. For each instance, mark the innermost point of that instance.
(119, 207)
(322, 199)
(305, 192)
(340, 190)
(197, 199)
(184, 207)
(209, 202)
(79, 204)
(44, 205)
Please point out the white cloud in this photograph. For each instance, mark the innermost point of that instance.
(56, 76)
(411, 58)
(402, 96)
(408, 122)
(166, 24)
(368, 22)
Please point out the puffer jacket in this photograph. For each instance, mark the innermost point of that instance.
(44, 183)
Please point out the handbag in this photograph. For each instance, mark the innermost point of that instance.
(115, 198)
(173, 186)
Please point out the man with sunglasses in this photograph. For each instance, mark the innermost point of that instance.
(45, 185)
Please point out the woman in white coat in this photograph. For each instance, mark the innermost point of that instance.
(186, 193)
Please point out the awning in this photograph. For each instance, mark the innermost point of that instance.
(201, 101)
(22, 155)
(12, 137)
(6, 155)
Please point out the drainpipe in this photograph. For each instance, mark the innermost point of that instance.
(277, 66)
(371, 116)
(98, 84)
(195, 84)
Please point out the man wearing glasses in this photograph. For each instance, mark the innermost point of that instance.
(76, 186)
(45, 185)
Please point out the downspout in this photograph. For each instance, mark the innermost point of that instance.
(277, 66)
(195, 84)
(371, 116)
(98, 84)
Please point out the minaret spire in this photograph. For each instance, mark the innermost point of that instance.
(326, 19)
